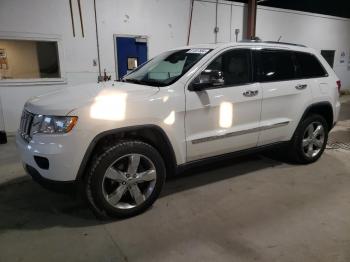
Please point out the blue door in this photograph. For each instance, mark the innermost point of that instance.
(131, 53)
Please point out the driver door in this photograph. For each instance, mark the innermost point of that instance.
(225, 118)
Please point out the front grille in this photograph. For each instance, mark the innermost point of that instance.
(25, 125)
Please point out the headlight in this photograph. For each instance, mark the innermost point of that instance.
(52, 124)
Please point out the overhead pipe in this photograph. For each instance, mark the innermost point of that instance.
(251, 19)
(81, 19)
(71, 16)
(190, 24)
(97, 45)
(216, 29)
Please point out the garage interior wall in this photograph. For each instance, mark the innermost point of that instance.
(164, 22)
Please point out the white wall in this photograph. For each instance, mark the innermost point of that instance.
(2, 124)
(319, 32)
(41, 19)
(230, 17)
(165, 22)
(314, 30)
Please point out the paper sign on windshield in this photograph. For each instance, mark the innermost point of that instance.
(198, 51)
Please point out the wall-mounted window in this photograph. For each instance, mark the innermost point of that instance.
(329, 56)
(29, 60)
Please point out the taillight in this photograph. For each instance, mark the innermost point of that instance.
(339, 85)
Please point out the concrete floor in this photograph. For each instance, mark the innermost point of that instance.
(255, 208)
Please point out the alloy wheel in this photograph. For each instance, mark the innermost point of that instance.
(313, 139)
(129, 181)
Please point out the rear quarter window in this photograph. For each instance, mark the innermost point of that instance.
(308, 66)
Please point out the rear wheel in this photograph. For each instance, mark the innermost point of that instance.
(309, 140)
(126, 179)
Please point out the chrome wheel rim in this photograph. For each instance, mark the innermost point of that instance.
(129, 181)
(313, 139)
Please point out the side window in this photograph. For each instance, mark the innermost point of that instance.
(275, 65)
(235, 66)
(29, 59)
(308, 66)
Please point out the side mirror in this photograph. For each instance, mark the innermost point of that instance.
(208, 78)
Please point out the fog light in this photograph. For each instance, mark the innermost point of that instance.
(42, 162)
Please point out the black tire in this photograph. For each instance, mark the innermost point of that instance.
(93, 182)
(296, 151)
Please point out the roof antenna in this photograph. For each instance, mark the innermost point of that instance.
(279, 38)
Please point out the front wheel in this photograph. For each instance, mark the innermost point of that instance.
(309, 140)
(126, 179)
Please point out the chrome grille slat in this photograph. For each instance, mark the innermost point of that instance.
(25, 125)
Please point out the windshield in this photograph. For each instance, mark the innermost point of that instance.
(167, 67)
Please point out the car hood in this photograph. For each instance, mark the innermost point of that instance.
(69, 98)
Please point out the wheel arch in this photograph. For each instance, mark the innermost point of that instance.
(324, 109)
(151, 134)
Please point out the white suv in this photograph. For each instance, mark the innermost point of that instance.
(119, 140)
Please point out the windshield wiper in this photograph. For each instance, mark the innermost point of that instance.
(143, 82)
(131, 80)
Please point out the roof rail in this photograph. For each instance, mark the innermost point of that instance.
(270, 42)
(283, 43)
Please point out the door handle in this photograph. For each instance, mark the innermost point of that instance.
(301, 87)
(250, 93)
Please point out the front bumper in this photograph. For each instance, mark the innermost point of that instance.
(64, 154)
(57, 186)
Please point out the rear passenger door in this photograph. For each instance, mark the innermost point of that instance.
(284, 96)
(310, 70)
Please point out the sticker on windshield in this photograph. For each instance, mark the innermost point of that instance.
(198, 51)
